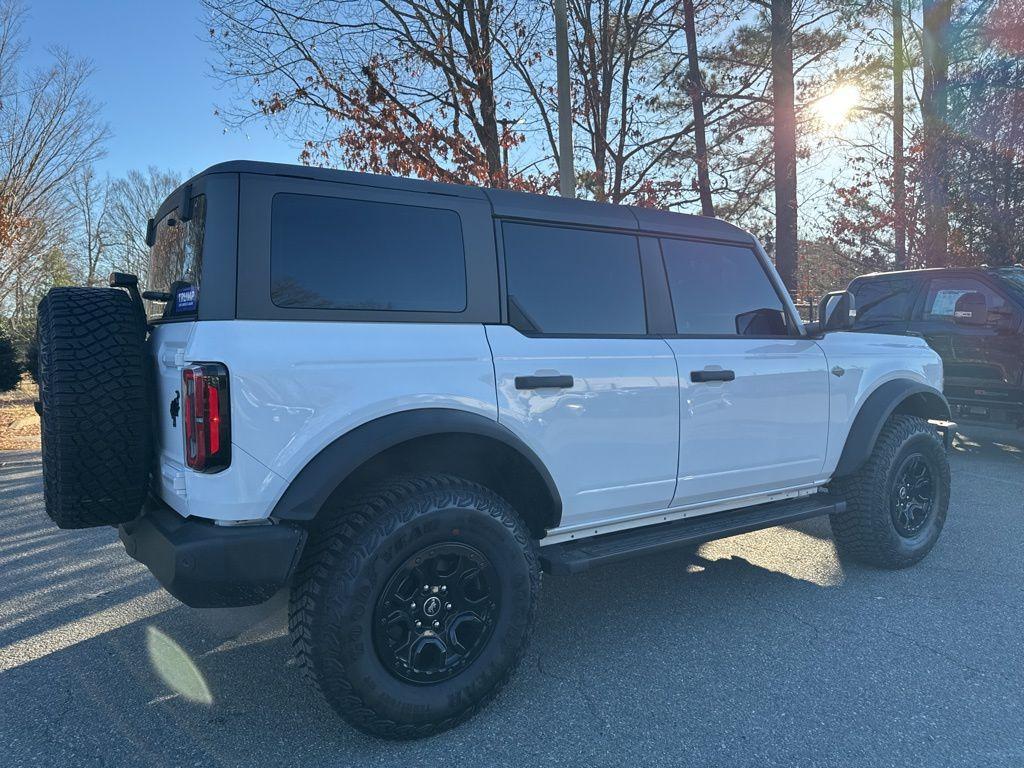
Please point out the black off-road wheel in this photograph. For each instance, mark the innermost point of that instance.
(897, 501)
(414, 603)
(94, 407)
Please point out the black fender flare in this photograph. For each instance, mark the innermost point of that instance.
(899, 395)
(326, 471)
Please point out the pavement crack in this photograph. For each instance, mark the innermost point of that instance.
(955, 660)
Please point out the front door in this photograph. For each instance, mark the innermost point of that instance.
(578, 378)
(981, 362)
(754, 394)
(763, 429)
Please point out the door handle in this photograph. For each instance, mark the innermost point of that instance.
(544, 382)
(700, 377)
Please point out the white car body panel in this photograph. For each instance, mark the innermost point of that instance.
(868, 361)
(611, 441)
(298, 386)
(764, 431)
(632, 443)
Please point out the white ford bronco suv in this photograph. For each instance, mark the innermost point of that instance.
(403, 400)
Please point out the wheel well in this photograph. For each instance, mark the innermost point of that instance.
(899, 396)
(479, 458)
(927, 405)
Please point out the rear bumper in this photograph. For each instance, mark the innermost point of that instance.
(213, 566)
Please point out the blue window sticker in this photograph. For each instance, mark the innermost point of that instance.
(185, 299)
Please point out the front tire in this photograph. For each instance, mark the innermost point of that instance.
(413, 604)
(896, 503)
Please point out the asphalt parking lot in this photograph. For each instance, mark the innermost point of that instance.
(759, 650)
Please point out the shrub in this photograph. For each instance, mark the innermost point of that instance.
(10, 366)
(32, 360)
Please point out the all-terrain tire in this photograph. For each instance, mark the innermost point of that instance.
(94, 406)
(867, 531)
(345, 574)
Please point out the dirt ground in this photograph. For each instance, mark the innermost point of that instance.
(19, 425)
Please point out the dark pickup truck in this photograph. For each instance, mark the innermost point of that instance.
(974, 319)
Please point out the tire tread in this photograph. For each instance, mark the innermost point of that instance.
(96, 420)
(864, 531)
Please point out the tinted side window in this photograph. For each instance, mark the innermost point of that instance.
(333, 253)
(944, 292)
(573, 281)
(883, 301)
(721, 290)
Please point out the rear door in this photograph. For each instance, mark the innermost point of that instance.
(754, 394)
(578, 377)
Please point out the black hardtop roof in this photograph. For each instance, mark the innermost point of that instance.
(504, 203)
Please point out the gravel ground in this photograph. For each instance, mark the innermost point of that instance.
(760, 650)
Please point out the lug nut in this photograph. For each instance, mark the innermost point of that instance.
(413, 607)
(444, 588)
(447, 606)
(418, 625)
(426, 587)
(437, 624)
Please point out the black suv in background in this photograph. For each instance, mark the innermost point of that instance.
(974, 319)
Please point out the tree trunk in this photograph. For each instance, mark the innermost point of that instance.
(934, 103)
(707, 207)
(566, 172)
(480, 54)
(784, 142)
(899, 170)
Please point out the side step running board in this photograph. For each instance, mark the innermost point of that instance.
(577, 556)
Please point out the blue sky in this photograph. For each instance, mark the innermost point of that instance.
(153, 82)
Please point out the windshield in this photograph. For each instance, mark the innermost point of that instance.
(1014, 278)
(175, 264)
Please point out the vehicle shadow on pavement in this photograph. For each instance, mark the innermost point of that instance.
(54, 577)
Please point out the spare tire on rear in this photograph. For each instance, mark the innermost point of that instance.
(94, 394)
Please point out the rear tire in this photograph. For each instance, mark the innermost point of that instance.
(357, 597)
(94, 407)
(896, 503)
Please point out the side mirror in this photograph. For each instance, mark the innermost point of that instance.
(837, 311)
(971, 309)
(761, 322)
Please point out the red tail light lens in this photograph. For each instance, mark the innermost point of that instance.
(207, 417)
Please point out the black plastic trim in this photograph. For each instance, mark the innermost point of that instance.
(544, 382)
(583, 554)
(310, 489)
(217, 289)
(877, 409)
(213, 566)
(702, 377)
(661, 321)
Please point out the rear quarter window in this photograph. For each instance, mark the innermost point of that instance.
(339, 253)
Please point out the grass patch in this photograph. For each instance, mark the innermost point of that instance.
(19, 424)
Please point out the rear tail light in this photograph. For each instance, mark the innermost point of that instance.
(207, 417)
